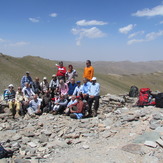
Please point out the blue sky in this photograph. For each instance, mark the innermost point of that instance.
(77, 30)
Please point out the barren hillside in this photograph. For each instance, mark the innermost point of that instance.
(114, 77)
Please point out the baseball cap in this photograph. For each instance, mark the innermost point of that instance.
(94, 78)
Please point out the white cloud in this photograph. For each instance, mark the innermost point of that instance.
(135, 41)
(149, 37)
(153, 35)
(87, 33)
(2, 40)
(34, 20)
(89, 23)
(135, 34)
(158, 10)
(21, 43)
(53, 15)
(127, 28)
(161, 22)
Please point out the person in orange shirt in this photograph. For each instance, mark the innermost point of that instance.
(88, 70)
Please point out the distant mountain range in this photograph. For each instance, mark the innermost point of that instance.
(114, 77)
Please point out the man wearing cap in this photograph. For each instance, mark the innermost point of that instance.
(78, 89)
(44, 85)
(53, 85)
(26, 79)
(94, 95)
(88, 71)
(9, 93)
(9, 97)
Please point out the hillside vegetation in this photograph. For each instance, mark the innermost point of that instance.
(114, 77)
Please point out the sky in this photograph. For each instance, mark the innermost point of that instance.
(77, 30)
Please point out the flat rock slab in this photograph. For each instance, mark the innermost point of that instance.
(150, 144)
(147, 136)
(160, 142)
(132, 148)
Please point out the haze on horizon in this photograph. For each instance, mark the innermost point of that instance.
(99, 30)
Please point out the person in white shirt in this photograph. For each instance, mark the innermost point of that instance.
(78, 89)
(34, 106)
(94, 95)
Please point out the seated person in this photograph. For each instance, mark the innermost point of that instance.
(63, 88)
(9, 93)
(27, 92)
(46, 102)
(44, 85)
(53, 85)
(19, 102)
(9, 97)
(77, 109)
(34, 106)
(72, 101)
(60, 105)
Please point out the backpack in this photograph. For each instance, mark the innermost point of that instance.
(159, 100)
(4, 153)
(134, 91)
(4, 94)
(145, 97)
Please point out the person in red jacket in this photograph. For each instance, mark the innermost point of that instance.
(61, 71)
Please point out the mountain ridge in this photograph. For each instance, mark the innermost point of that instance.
(114, 77)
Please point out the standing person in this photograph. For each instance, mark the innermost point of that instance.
(88, 71)
(26, 79)
(71, 73)
(36, 86)
(78, 89)
(53, 85)
(85, 89)
(61, 71)
(44, 85)
(94, 95)
(71, 86)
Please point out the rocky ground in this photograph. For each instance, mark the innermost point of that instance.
(121, 133)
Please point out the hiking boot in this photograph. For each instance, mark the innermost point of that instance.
(94, 113)
(17, 115)
(55, 113)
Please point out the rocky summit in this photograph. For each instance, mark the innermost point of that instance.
(121, 133)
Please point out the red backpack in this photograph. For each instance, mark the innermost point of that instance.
(145, 97)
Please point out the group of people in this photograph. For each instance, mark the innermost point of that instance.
(63, 95)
